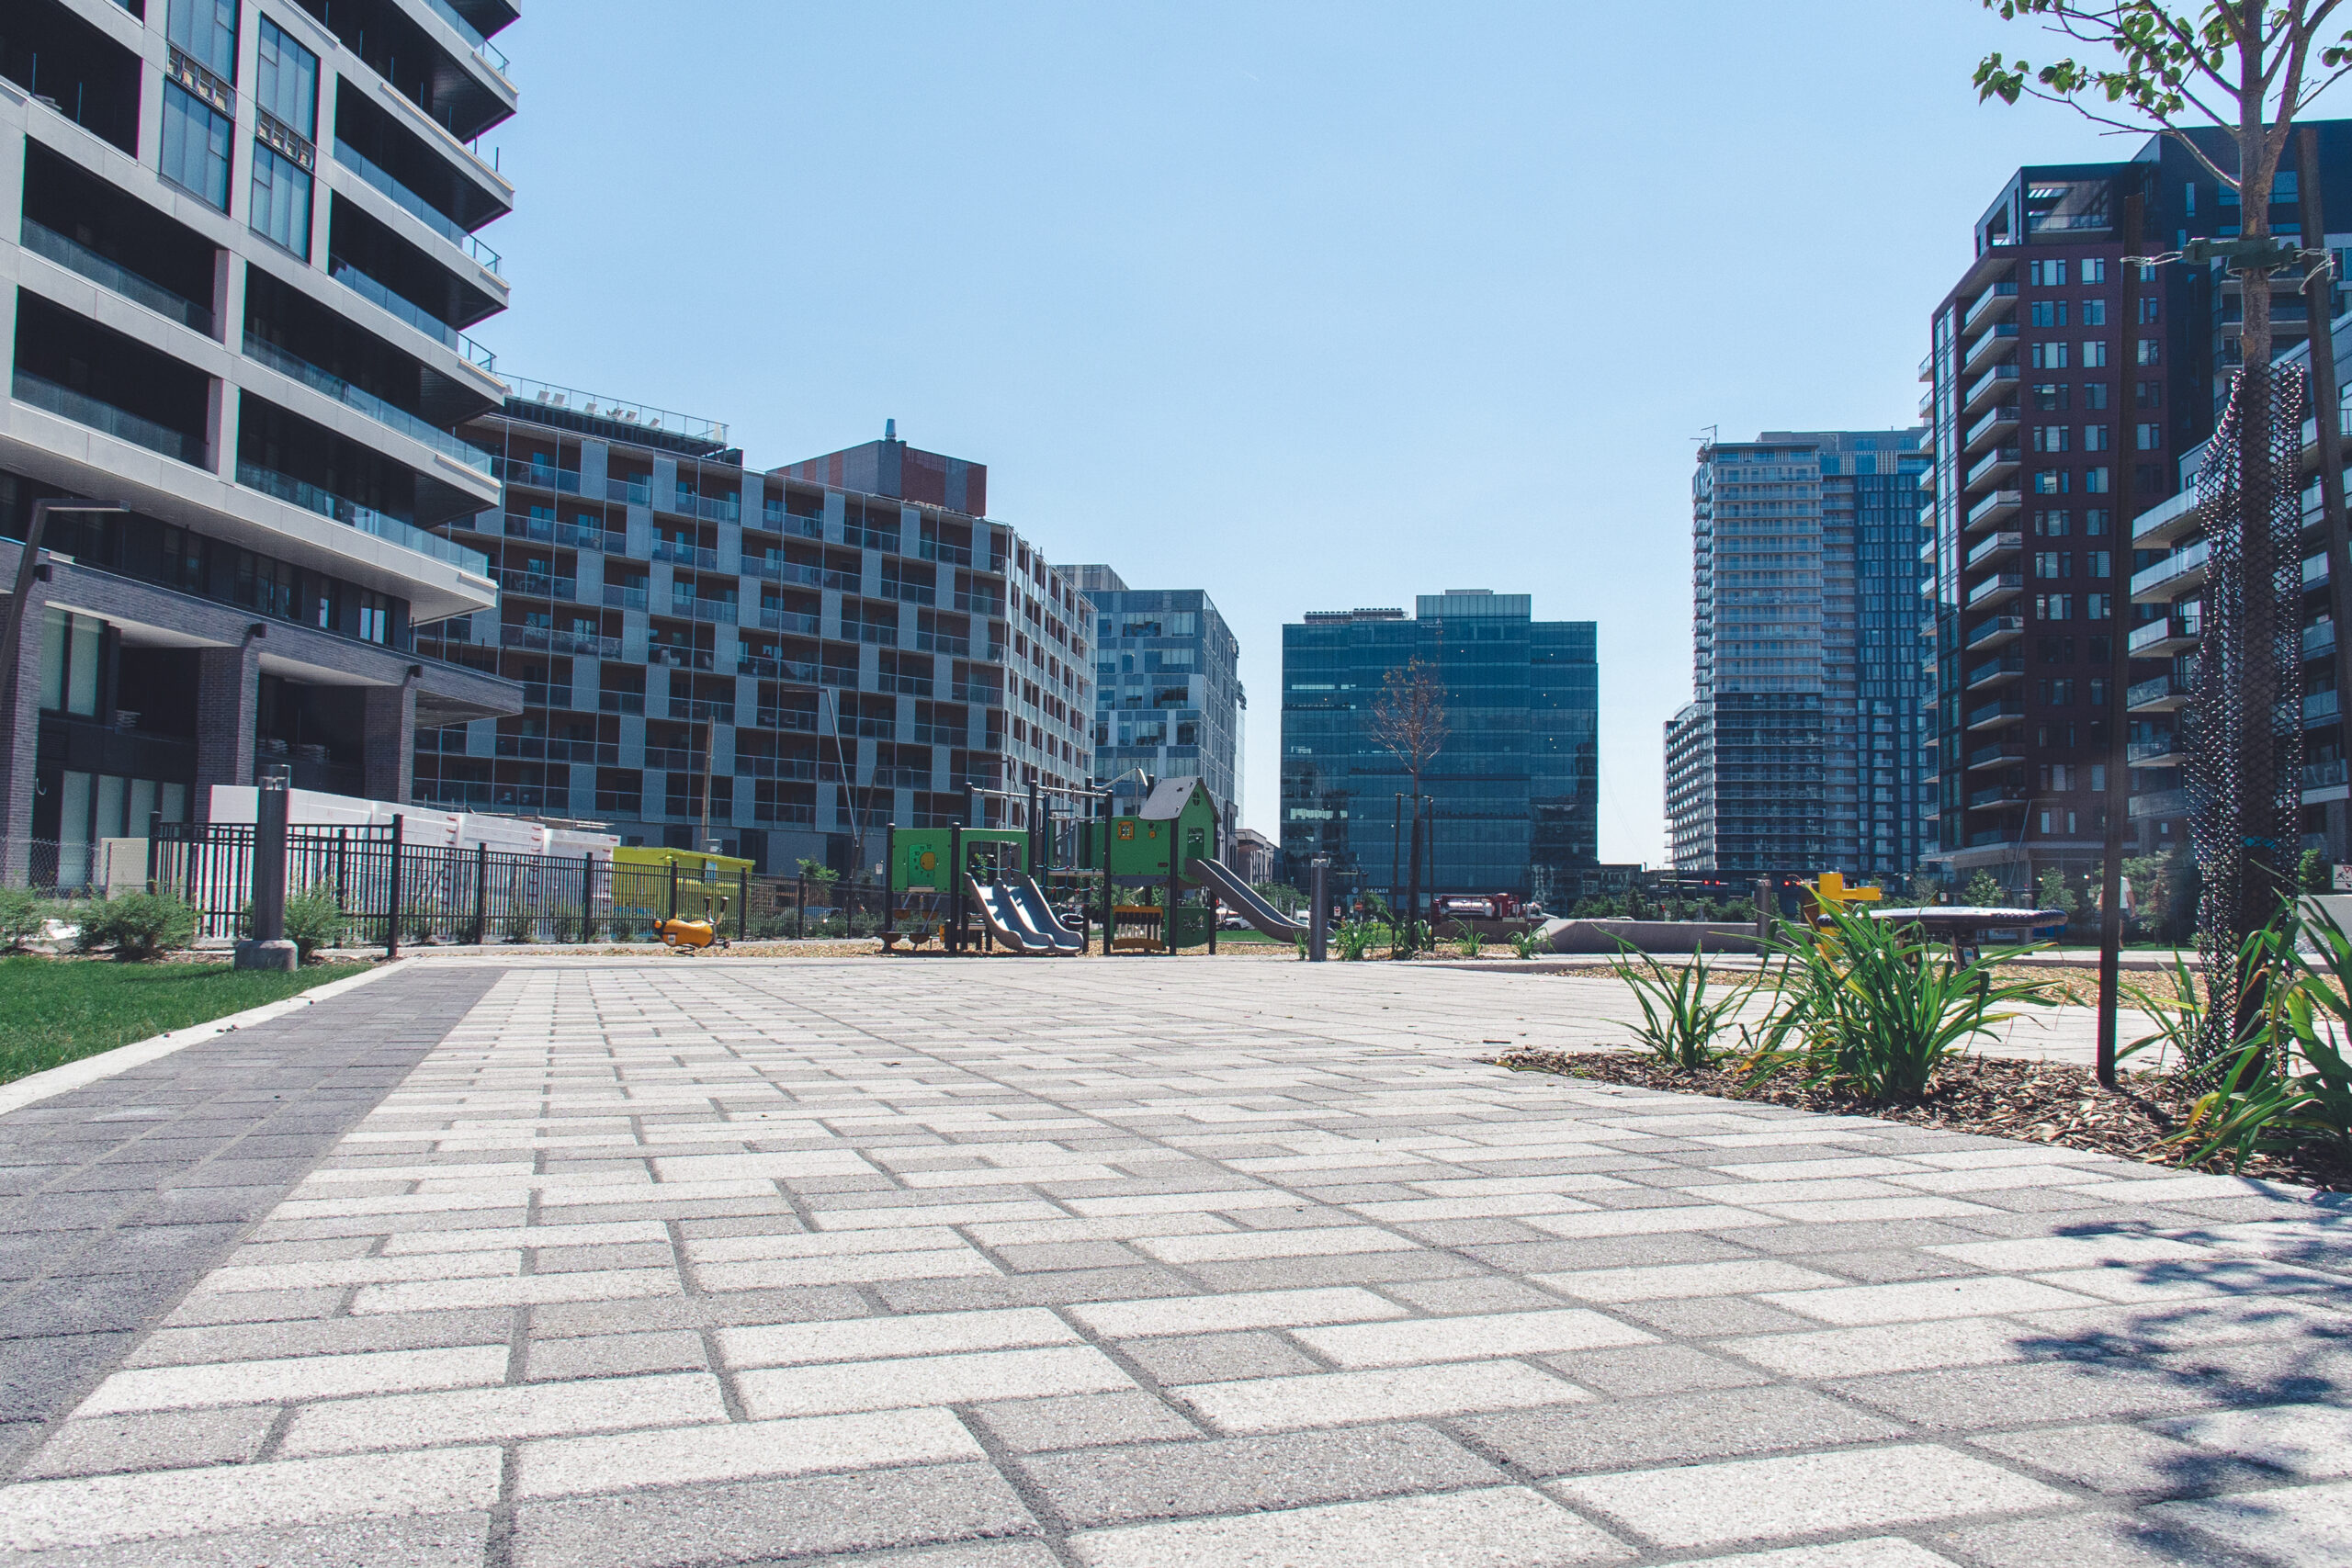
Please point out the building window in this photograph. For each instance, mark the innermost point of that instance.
(2148, 394)
(286, 82)
(2148, 310)
(2094, 313)
(2050, 438)
(2046, 274)
(2050, 524)
(2051, 397)
(2099, 563)
(2095, 482)
(2054, 606)
(2050, 484)
(2049, 355)
(281, 203)
(196, 146)
(2095, 395)
(2093, 353)
(2049, 313)
(2098, 607)
(2051, 564)
(2095, 438)
(2150, 352)
(2147, 437)
(205, 32)
(375, 617)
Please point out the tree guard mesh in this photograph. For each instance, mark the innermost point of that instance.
(2244, 715)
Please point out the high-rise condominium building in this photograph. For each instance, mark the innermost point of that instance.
(1517, 782)
(1167, 688)
(2067, 394)
(238, 280)
(1800, 750)
(798, 658)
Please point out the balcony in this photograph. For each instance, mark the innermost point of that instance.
(1927, 404)
(537, 475)
(2163, 751)
(410, 313)
(943, 642)
(1996, 465)
(390, 415)
(2166, 522)
(1927, 366)
(792, 621)
(2159, 803)
(2319, 707)
(688, 607)
(674, 656)
(2175, 633)
(555, 639)
(2324, 776)
(620, 702)
(776, 514)
(1997, 631)
(1993, 383)
(2000, 300)
(2165, 693)
(702, 710)
(800, 719)
(2000, 588)
(43, 241)
(82, 409)
(980, 604)
(1996, 716)
(880, 633)
(1997, 672)
(2183, 571)
(1927, 514)
(2316, 571)
(764, 668)
(1999, 754)
(629, 492)
(432, 217)
(683, 554)
(1996, 422)
(625, 596)
(1998, 798)
(1927, 551)
(2000, 343)
(484, 50)
(709, 508)
(2319, 640)
(1992, 546)
(910, 592)
(953, 555)
(1996, 507)
(538, 585)
(310, 497)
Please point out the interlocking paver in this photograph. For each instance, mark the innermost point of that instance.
(609, 1262)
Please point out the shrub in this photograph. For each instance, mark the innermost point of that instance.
(1681, 1020)
(314, 920)
(1528, 944)
(1874, 1008)
(137, 925)
(23, 916)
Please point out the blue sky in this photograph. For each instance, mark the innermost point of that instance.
(1311, 305)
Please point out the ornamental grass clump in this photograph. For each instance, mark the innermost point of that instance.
(1872, 1008)
(2287, 1088)
(1683, 1009)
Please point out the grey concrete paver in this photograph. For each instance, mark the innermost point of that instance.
(1004, 1265)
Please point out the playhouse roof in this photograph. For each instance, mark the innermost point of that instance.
(1168, 797)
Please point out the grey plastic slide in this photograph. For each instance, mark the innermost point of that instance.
(1245, 900)
(1009, 928)
(1029, 900)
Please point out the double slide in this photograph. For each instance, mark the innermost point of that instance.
(1018, 915)
(1245, 900)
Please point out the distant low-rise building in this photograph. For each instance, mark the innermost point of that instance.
(1252, 854)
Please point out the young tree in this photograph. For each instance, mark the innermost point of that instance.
(1409, 720)
(1984, 893)
(2245, 69)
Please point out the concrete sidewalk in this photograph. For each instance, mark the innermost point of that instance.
(1129, 1266)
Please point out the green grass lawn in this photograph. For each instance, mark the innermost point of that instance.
(54, 1012)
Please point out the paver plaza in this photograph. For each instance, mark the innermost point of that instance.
(990, 1263)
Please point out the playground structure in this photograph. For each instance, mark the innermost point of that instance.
(1148, 883)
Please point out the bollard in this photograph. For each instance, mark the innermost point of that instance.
(1765, 910)
(267, 947)
(1318, 920)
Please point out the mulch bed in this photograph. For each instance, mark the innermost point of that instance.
(2034, 1102)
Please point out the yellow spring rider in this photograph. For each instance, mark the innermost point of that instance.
(687, 938)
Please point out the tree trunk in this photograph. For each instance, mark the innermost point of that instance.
(1403, 942)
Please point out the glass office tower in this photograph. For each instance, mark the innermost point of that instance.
(1515, 784)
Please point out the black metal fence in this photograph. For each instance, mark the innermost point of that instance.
(388, 892)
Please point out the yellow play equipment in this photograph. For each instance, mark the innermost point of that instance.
(687, 938)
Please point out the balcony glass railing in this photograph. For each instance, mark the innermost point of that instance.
(368, 403)
(2173, 567)
(2320, 775)
(482, 47)
(2166, 628)
(683, 554)
(2319, 639)
(791, 621)
(1998, 751)
(368, 520)
(2140, 693)
(2005, 414)
(633, 493)
(686, 606)
(43, 241)
(538, 585)
(432, 217)
(400, 306)
(541, 476)
(82, 409)
(621, 596)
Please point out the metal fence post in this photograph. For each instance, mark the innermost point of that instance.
(744, 903)
(587, 896)
(392, 892)
(481, 893)
(154, 831)
(674, 890)
(801, 907)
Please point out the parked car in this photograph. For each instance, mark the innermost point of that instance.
(1230, 921)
